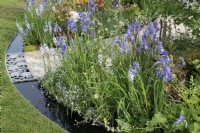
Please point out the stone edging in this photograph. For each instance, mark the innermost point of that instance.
(16, 63)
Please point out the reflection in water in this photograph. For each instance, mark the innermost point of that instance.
(57, 113)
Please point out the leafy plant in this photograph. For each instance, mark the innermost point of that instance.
(117, 83)
(197, 64)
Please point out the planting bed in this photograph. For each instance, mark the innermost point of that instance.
(125, 73)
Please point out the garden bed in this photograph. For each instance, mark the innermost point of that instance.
(131, 82)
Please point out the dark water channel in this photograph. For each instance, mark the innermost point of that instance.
(33, 92)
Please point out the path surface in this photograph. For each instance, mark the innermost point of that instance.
(16, 63)
(38, 61)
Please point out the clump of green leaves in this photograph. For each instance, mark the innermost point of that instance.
(30, 48)
(197, 64)
(191, 107)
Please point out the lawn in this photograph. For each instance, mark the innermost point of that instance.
(17, 114)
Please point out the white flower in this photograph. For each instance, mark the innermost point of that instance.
(19, 28)
(74, 15)
(96, 96)
(100, 57)
(182, 61)
(41, 9)
(44, 48)
(37, 12)
(50, 28)
(55, 40)
(108, 20)
(53, 8)
(131, 75)
(45, 28)
(108, 62)
(27, 25)
(121, 23)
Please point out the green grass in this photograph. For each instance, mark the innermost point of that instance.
(17, 114)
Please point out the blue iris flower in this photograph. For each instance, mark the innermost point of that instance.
(133, 71)
(71, 25)
(115, 3)
(92, 6)
(85, 21)
(64, 46)
(181, 119)
(123, 48)
(117, 40)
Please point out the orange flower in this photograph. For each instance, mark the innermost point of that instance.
(57, 11)
(99, 3)
(62, 9)
(79, 6)
(77, 2)
(69, 8)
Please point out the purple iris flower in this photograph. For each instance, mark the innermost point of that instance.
(154, 37)
(168, 77)
(160, 48)
(178, 66)
(150, 28)
(164, 60)
(82, 15)
(163, 70)
(58, 41)
(133, 71)
(144, 41)
(115, 3)
(130, 26)
(55, 28)
(155, 24)
(146, 33)
(133, 29)
(128, 34)
(144, 44)
(92, 6)
(167, 69)
(137, 23)
(92, 33)
(85, 21)
(84, 28)
(71, 25)
(159, 72)
(45, 3)
(156, 28)
(32, 2)
(136, 65)
(123, 48)
(181, 119)
(117, 40)
(63, 46)
(29, 3)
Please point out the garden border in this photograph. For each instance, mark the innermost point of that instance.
(34, 84)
